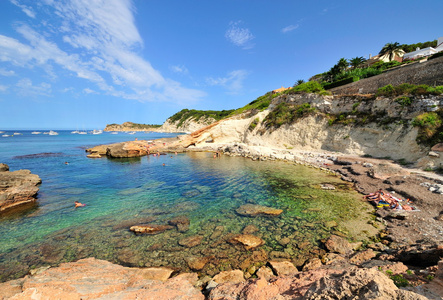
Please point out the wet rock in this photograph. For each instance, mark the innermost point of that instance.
(150, 229)
(197, 263)
(93, 155)
(338, 244)
(249, 241)
(250, 229)
(17, 188)
(4, 167)
(252, 210)
(182, 223)
(129, 223)
(279, 254)
(332, 258)
(283, 268)
(284, 241)
(331, 224)
(191, 241)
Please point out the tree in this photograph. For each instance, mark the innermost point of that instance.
(390, 50)
(342, 64)
(357, 61)
(298, 82)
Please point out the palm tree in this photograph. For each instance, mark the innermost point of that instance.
(391, 50)
(357, 61)
(342, 64)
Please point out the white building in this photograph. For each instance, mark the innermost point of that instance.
(426, 51)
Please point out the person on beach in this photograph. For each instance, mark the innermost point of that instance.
(78, 204)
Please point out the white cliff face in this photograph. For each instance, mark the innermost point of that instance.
(190, 125)
(395, 140)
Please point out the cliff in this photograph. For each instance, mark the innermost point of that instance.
(362, 125)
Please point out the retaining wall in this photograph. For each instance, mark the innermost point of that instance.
(429, 72)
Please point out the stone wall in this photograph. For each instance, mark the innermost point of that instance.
(429, 72)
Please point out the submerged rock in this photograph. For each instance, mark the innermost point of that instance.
(182, 223)
(252, 210)
(17, 188)
(249, 241)
(191, 241)
(197, 263)
(150, 228)
(339, 245)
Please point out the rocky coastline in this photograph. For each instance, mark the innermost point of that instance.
(17, 188)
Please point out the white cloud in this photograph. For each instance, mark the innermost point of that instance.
(239, 36)
(26, 9)
(233, 82)
(3, 88)
(179, 69)
(6, 73)
(100, 43)
(26, 88)
(89, 91)
(289, 28)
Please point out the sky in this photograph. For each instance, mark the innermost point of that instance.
(82, 64)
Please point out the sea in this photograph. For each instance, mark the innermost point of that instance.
(194, 186)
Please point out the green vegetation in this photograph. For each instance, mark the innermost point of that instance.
(259, 104)
(408, 89)
(404, 101)
(391, 50)
(308, 87)
(286, 113)
(186, 114)
(430, 126)
(413, 47)
(254, 124)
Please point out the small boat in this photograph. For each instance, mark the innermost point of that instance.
(114, 132)
(53, 132)
(35, 132)
(82, 132)
(18, 133)
(75, 131)
(97, 131)
(5, 135)
(132, 132)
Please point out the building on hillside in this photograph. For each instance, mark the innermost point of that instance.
(419, 53)
(282, 89)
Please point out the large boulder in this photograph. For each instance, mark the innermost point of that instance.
(98, 279)
(17, 187)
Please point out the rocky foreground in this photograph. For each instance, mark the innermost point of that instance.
(408, 250)
(17, 188)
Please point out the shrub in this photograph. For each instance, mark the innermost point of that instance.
(253, 124)
(186, 114)
(307, 87)
(404, 101)
(287, 114)
(408, 89)
(430, 127)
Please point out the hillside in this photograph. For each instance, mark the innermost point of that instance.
(130, 126)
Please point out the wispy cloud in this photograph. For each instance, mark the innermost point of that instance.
(26, 9)
(239, 36)
(233, 82)
(289, 28)
(3, 88)
(179, 69)
(89, 91)
(26, 88)
(100, 44)
(6, 73)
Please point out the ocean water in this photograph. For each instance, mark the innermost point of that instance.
(119, 193)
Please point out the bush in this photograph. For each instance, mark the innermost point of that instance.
(186, 114)
(287, 114)
(430, 127)
(404, 101)
(340, 82)
(307, 87)
(435, 55)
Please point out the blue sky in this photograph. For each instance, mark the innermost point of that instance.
(82, 64)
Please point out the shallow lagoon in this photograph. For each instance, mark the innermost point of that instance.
(124, 192)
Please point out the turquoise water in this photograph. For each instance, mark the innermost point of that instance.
(120, 193)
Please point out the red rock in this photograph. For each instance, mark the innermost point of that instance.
(197, 263)
(92, 278)
(191, 241)
(438, 147)
(312, 264)
(283, 268)
(181, 222)
(362, 256)
(234, 276)
(339, 245)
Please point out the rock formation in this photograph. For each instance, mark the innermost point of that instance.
(17, 188)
